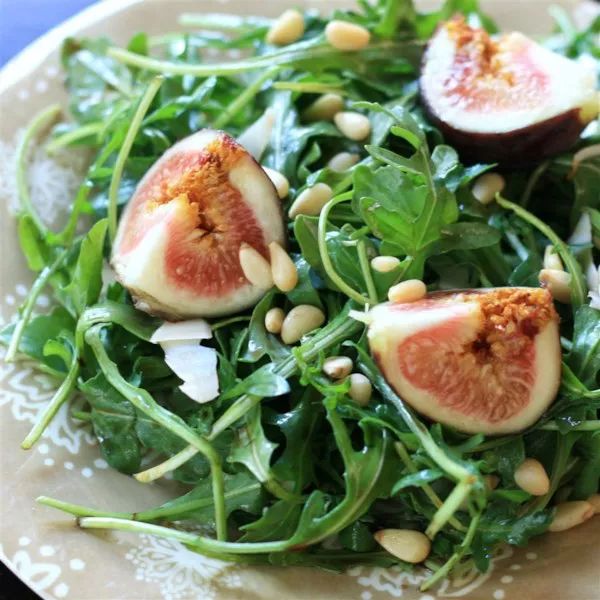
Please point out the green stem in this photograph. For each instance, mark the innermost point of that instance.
(323, 251)
(578, 287)
(144, 402)
(427, 489)
(592, 425)
(74, 135)
(310, 87)
(338, 330)
(223, 22)
(365, 267)
(244, 98)
(38, 123)
(134, 126)
(443, 571)
(452, 503)
(29, 304)
(50, 410)
(532, 182)
(82, 415)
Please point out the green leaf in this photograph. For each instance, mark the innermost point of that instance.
(278, 522)
(416, 479)
(584, 358)
(265, 382)
(467, 236)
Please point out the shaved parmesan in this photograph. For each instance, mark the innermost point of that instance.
(195, 329)
(256, 138)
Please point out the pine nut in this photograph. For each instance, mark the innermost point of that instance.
(410, 290)
(558, 284)
(531, 477)
(255, 267)
(571, 514)
(595, 502)
(337, 367)
(343, 161)
(283, 269)
(353, 125)
(487, 186)
(385, 264)
(299, 321)
(552, 259)
(360, 389)
(405, 544)
(491, 481)
(288, 28)
(279, 180)
(311, 200)
(324, 108)
(347, 36)
(274, 320)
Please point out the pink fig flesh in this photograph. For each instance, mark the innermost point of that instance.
(481, 361)
(178, 241)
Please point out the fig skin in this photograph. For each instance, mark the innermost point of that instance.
(528, 143)
(178, 240)
(481, 361)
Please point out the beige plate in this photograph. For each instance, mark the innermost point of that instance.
(42, 546)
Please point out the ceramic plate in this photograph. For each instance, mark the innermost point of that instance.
(43, 546)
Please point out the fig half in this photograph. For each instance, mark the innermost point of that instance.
(481, 361)
(504, 99)
(178, 241)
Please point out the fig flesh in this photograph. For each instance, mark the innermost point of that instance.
(178, 240)
(481, 361)
(504, 99)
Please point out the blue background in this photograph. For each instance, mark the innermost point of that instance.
(22, 21)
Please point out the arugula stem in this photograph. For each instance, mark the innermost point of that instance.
(591, 425)
(60, 396)
(326, 259)
(82, 415)
(244, 98)
(134, 126)
(452, 503)
(443, 571)
(144, 402)
(427, 489)
(365, 267)
(172, 463)
(310, 87)
(66, 139)
(39, 122)
(532, 182)
(578, 286)
(27, 307)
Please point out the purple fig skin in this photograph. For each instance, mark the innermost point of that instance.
(517, 148)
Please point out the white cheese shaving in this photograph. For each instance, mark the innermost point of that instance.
(194, 329)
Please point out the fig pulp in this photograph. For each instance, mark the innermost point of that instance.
(178, 241)
(482, 361)
(504, 99)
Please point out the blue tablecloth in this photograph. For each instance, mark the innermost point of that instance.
(22, 21)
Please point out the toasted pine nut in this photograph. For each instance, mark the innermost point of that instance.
(552, 259)
(283, 269)
(255, 266)
(288, 28)
(558, 284)
(311, 200)
(299, 321)
(347, 36)
(406, 544)
(279, 180)
(384, 264)
(274, 320)
(491, 481)
(487, 186)
(324, 108)
(594, 500)
(571, 514)
(531, 477)
(337, 367)
(343, 161)
(360, 389)
(353, 125)
(410, 290)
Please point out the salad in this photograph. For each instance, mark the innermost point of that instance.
(338, 276)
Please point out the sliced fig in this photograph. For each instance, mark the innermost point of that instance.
(504, 99)
(482, 361)
(177, 245)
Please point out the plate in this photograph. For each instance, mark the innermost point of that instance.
(43, 546)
